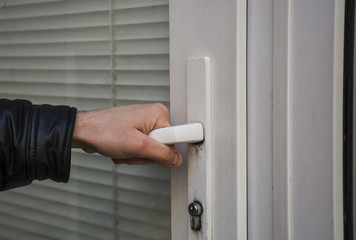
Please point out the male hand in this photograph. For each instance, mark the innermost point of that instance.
(121, 134)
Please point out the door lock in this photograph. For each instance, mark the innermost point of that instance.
(195, 210)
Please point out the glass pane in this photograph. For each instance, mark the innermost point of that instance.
(88, 54)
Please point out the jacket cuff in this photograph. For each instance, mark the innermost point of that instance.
(49, 142)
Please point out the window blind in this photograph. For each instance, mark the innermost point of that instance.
(89, 54)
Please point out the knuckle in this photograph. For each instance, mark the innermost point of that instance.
(160, 108)
(141, 144)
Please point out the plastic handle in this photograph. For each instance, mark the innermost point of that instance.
(186, 133)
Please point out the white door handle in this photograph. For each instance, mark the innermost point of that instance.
(186, 133)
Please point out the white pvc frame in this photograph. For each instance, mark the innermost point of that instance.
(275, 29)
(215, 29)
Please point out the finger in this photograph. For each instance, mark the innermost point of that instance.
(133, 161)
(167, 156)
(156, 115)
(137, 161)
(164, 120)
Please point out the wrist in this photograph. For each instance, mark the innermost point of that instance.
(80, 131)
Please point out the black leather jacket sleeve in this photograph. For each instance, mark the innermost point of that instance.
(35, 142)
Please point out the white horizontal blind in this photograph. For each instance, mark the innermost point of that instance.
(89, 54)
(141, 60)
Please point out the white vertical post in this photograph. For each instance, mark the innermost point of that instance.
(216, 29)
(199, 155)
(338, 54)
(307, 119)
(282, 119)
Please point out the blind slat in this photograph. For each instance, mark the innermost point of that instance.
(57, 90)
(84, 104)
(57, 76)
(92, 49)
(35, 8)
(82, 187)
(154, 14)
(150, 171)
(155, 93)
(158, 218)
(25, 2)
(143, 78)
(142, 62)
(129, 196)
(12, 232)
(126, 4)
(98, 48)
(142, 31)
(53, 221)
(84, 20)
(94, 161)
(35, 204)
(55, 63)
(145, 231)
(71, 198)
(34, 227)
(88, 34)
(159, 188)
(138, 62)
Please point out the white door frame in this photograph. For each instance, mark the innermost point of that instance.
(295, 55)
(216, 29)
(301, 173)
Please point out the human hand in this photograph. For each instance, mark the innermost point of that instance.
(121, 134)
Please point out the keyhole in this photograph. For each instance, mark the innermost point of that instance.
(195, 210)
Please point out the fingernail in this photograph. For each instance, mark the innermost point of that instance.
(176, 159)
